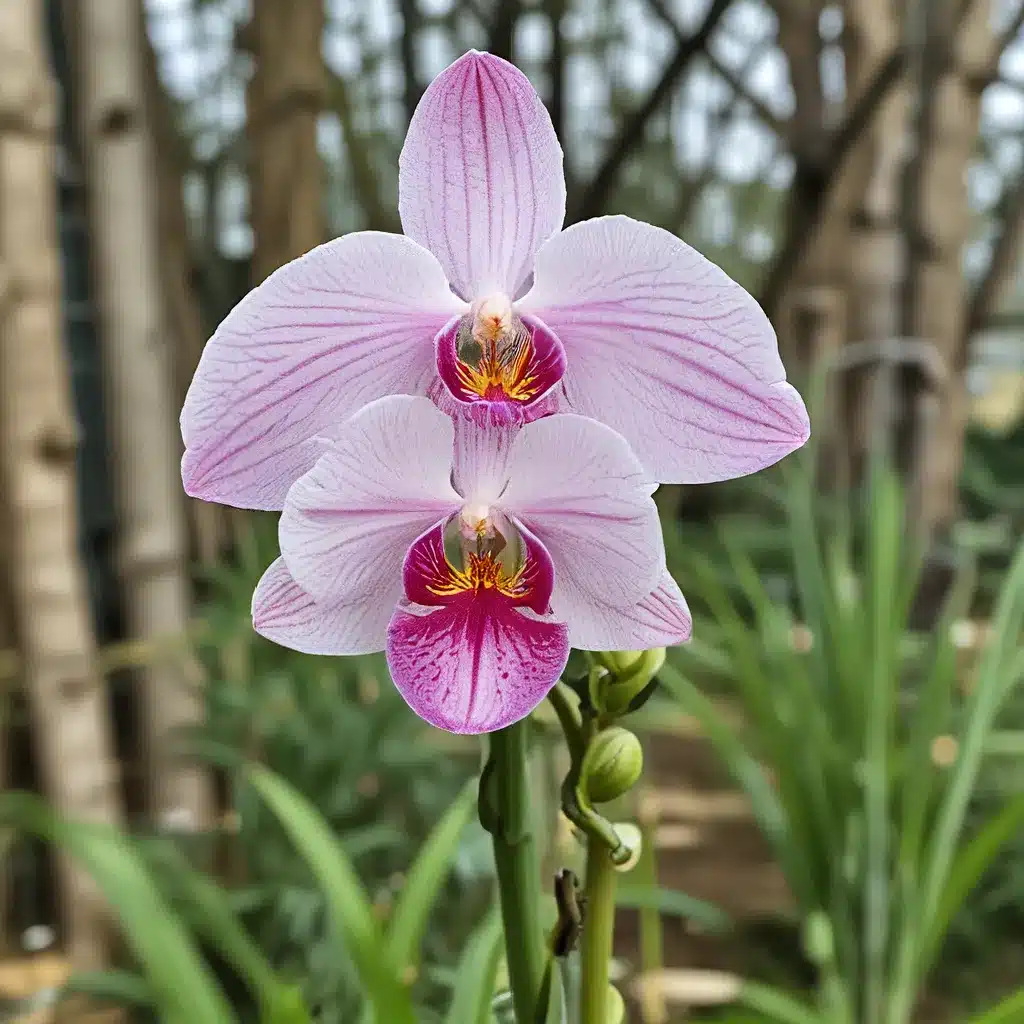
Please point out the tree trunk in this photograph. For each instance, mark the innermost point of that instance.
(284, 98)
(937, 297)
(140, 389)
(876, 241)
(812, 315)
(67, 698)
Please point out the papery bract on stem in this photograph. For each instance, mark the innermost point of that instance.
(473, 550)
(486, 301)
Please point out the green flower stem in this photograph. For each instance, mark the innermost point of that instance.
(505, 813)
(598, 930)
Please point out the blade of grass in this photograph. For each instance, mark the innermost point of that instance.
(672, 903)
(764, 705)
(209, 911)
(931, 716)
(349, 906)
(425, 878)
(775, 1004)
(997, 666)
(971, 863)
(182, 984)
(886, 524)
(122, 988)
(478, 969)
(1009, 1011)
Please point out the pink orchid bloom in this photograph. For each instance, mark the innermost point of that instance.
(486, 301)
(475, 553)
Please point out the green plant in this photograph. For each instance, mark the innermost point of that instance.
(169, 913)
(843, 707)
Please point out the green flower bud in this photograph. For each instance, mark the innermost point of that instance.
(629, 672)
(612, 764)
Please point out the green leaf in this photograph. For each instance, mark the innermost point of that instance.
(996, 674)
(183, 987)
(209, 911)
(123, 988)
(425, 878)
(478, 968)
(971, 863)
(349, 906)
(637, 896)
(1009, 1011)
(286, 1006)
(884, 556)
(776, 1005)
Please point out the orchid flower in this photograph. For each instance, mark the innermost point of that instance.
(474, 552)
(486, 301)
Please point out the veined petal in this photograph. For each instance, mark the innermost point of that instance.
(480, 176)
(483, 441)
(347, 323)
(474, 666)
(575, 484)
(659, 620)
(349, 521)
(283, 612)
(663, 346)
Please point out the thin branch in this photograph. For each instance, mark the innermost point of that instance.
(631, 133)
(1005, 257)
(933, 51)
(734, 80)
(501, 38)
(412, 89)
(991, 73)
(1010, 33)
(556, 66)
(720, 122)
(380, 215)
(816, 180)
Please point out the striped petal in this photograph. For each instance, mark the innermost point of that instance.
(480, 176)
(663, 346)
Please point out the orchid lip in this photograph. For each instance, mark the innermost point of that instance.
(499, 357)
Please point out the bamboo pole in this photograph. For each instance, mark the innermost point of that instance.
(107, 59)
(67, 698)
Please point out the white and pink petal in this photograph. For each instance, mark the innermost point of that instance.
(283, 612)
(661, 619)
(347, 323)
(666, 348)
(480, 175)
(348, 522)
(575, 484)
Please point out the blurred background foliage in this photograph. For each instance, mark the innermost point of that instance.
(832, 803)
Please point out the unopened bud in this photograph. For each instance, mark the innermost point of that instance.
(612, 764)
(629, 672)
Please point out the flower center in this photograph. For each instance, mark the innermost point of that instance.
(483, 551)
(495, 355)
